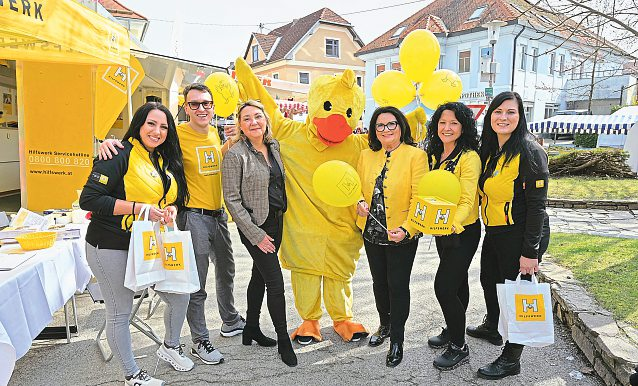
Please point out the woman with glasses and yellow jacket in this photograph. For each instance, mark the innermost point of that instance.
(390, 172)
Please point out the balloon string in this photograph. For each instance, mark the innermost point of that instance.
(379, 222)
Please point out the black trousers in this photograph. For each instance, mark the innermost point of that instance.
(267, 277)
(450, 283)
(391, 266)
(500, 260)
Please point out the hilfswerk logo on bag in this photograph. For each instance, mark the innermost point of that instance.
(530, 308)
(150, 245)
(174, 259)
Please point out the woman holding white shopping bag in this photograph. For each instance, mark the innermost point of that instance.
(513, 191)
(149, 170)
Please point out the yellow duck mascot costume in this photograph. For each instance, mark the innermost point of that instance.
(320, 243)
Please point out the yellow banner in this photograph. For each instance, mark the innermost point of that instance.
(110, 93)
(56, 117)
(61, 31)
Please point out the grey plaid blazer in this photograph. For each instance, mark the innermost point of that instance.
(245, 179)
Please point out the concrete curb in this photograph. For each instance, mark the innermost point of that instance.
(590, 204)
(611, 347)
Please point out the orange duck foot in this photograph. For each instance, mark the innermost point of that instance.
(308, 328)
(347, 330)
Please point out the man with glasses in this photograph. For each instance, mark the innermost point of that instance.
(205, 217)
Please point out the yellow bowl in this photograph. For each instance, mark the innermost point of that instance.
(36, 240)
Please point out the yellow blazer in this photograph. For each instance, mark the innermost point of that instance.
(406, 165)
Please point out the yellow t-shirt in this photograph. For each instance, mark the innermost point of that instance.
(202, 166)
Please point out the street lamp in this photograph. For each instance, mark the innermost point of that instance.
(493, 31)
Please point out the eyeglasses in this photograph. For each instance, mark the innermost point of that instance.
(206, 105)
(390, 126)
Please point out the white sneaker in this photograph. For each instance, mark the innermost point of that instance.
(175, 356)
(142, 379)
(205, 351)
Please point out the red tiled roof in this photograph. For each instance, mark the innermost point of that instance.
(294, 31)
(118, 10)
(442, 16)
(265, 41)
(450, 16)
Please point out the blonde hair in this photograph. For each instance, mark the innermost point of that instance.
(240, 134)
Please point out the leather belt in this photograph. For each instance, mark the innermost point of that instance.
(206, 212)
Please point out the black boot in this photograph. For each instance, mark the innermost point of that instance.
(487, 331)
(505, 365)
(440, 340)
(452, 357)
(254, 333)
(378, 337)
(288, 356)
(395, 354)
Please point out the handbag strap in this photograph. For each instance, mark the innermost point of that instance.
(534, 279)
(144, 212)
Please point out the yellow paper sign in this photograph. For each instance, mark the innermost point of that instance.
(530, 308)
(151, 252)
(174, 257)
(432, 215)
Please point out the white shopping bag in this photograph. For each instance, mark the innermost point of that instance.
(144, 266)
(525, 312)
(179, 263)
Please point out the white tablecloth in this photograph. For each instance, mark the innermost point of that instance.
(31, 293)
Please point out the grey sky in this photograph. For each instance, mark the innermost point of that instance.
(221, 43)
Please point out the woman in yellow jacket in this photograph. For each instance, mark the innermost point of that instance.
(452, 145)
(390, 172)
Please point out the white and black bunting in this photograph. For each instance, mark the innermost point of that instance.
(585, 124)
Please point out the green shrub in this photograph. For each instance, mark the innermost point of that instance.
(586, 140)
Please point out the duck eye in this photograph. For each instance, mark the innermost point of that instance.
(349, 112)
(327, 106)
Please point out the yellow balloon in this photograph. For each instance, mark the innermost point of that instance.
(225, 93)
(180, 99)
(442, 184)
(419, 54)
(337, 183)
(442, 87)
(393, 88)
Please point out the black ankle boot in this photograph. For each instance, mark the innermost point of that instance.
(288, 356)
(487, 331)
(505, 365)
(440, 340)
(378, 337)
(254, 333)
(452, 357)
(395, 354)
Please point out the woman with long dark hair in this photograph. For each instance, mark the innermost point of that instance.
(390, 172)
(452, 145)
(149, 170)
(513, 191)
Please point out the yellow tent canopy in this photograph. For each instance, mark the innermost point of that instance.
(60, 31)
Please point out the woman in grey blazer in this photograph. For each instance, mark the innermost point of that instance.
(254, 191)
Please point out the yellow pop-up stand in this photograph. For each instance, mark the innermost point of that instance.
(432, 211)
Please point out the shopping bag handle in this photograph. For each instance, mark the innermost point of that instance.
(534, 279)
(144, 212)
(173, 228)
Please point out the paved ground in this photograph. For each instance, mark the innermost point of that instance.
(599, 222)
(327, 363)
